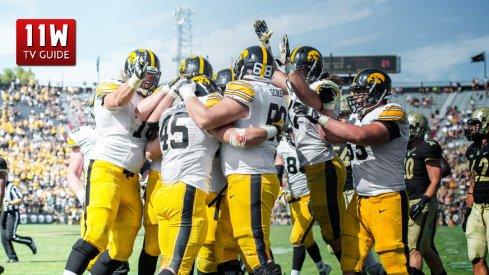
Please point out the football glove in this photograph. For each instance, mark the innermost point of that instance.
(284, 197)
(176, 84)
(141, 66)
(418, 207)
(187, 91)
(312, 115)
(284, 50)
(264, 34)
(466, 217)
(329, 94)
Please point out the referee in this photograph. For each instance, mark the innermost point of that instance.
(10, 217)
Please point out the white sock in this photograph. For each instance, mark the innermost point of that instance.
(295, 272)
(370, 261)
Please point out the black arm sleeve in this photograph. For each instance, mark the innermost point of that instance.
(392, 128)
(280, 173)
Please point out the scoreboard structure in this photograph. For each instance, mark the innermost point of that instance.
(354, 64)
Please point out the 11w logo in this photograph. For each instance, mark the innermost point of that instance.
(46, 42)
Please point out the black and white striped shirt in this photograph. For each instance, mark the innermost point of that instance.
(11, 193)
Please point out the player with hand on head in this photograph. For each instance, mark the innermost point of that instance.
(422, 176)
(475, 219)
(113, 203)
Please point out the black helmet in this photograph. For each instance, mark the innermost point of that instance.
(256, 61)
(223, 77)
(153, 68)
(375, 85)
(195, 65)
(310, 59)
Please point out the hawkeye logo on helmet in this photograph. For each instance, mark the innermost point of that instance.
(244, 54)
(313, 56)
(201, 79)
(378, 78)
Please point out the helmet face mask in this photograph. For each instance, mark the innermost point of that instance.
(254, 61)
(150, 82)
(418, 125)
(223, 77)
(478, 125)
(369, 88)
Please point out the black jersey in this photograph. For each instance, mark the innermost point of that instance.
(344, 154)
(415, 173)
(479, 167)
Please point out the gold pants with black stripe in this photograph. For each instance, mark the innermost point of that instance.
(206, 261)
(251, 199)
(302, 222)
(327, 204)
(113, 206)
(150, 223)
(382, 220)
(182, 225)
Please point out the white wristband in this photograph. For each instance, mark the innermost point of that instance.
(271, 131)
(323, 120)
(134, 82)
(238, 138)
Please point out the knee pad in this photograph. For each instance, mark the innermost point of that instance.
(86, 248)
(268, 269)
(230, 268)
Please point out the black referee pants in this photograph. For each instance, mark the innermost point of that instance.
(10, 221)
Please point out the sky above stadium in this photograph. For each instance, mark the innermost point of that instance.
(435, 39)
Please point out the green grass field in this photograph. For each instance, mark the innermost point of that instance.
(54, 244)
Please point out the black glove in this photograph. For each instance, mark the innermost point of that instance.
(141, 66)
(284, 50)
(417, 208)
(261, 29)
(466, 217)
(302, 110)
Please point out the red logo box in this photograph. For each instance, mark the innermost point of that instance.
(46, 42)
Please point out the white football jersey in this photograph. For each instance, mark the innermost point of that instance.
(310, 148)
(296, 179)
(379, 169)
(83, 137)
(188, 151)
(122, 137)
(266, 105)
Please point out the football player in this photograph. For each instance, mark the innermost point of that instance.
(371, 266)
(189, 67)
(475, 219)
(80, 141)
(113, 203)
(377, 137)
(297, 196)
(422, 176)
(250, 101)
(186, 166)
(222, 78)
(324, 171)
